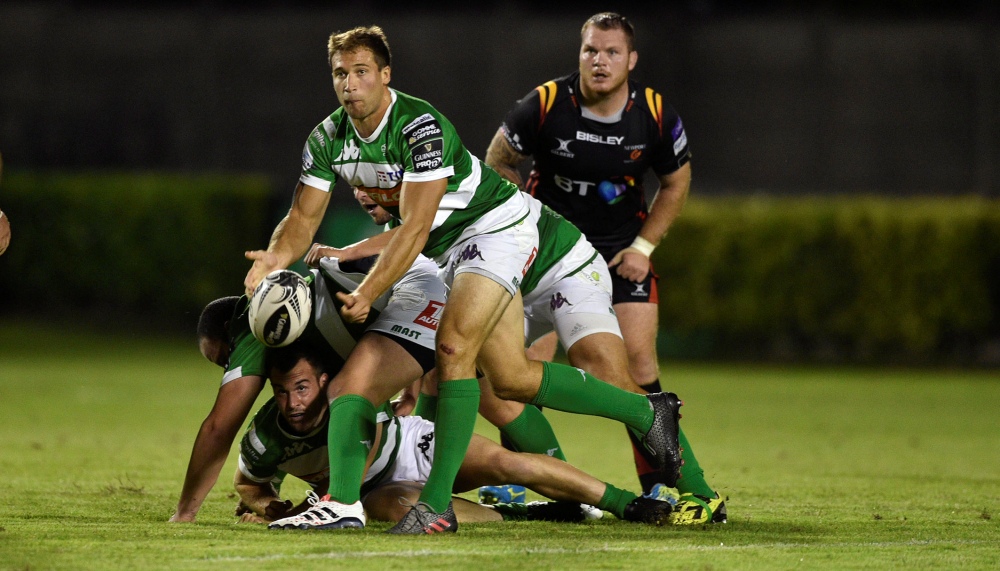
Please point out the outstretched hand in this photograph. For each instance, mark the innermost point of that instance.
(631, 264)
(264, 262)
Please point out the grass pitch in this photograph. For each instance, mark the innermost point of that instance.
(824, 468)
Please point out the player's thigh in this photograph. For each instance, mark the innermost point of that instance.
(502, 358)
(639, 323)
(475, 306)
(603, 355)
(377, 369)
(486, 463)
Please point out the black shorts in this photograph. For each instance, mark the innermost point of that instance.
(423, 355)
(625, 291)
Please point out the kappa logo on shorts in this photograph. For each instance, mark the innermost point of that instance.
(425, 444)
(471, 251)
(640, 290)
(431, 315)
(558, 301)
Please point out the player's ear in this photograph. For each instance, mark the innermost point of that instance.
(633, 57)
(386, 74)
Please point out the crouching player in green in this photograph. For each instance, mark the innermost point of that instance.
(288, 435)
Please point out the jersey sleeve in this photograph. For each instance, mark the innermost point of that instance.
(252, 462)
(430, 145)
(316, 164)
(671, 152)
(520, 126)
(246, 358)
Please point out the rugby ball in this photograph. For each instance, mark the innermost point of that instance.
(280, 308)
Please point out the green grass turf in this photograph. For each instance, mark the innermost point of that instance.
(824, 468)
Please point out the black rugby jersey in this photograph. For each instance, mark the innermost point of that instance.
(591, 172)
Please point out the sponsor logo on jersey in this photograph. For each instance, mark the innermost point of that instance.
(514, 140)
(634, 155)
(431, 315)
(471, 251)
(563, 150)
(679, 136)
(531, 259)
(350, 152)
(592, 138)
(558, 301)
(570, 185)
(417, 122)
(640, 290)
(428, 156)
(307, 158)
(383, 196)
(392, 177)
(425, 132)
(319, 137)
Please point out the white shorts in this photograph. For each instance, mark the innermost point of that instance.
(503, 256)
(575, 306)
(411, 310)
(416, 451)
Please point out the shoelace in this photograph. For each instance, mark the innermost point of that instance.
(421, 516)
(313, 498)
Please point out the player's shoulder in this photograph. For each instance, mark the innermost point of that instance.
(650, 103)
(554, 91)
(262, 434)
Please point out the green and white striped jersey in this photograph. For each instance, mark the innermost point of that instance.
(414, 142)
(269, 450)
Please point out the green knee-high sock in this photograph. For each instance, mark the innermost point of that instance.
(426, 407)
(571, 390)
(531, 432)
(352, 423)
(458, 404)
(692, 480)
(615, 499)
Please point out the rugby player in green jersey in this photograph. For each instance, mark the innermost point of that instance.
(397, 346)
(288, 436)
(480, 231)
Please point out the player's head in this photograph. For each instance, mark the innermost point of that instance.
(607, 53)
(299, 381)
(360, 60)
(379, 215)
(213, 329)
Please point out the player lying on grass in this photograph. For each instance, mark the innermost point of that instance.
(288, 435)
(394, 347)
(569, 293)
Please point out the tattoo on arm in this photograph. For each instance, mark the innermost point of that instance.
(502, 157)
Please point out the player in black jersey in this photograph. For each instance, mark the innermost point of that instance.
(592, 135)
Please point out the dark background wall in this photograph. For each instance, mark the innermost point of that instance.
(901, 98)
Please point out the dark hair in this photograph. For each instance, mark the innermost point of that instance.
(611, 21)
(284, 359)
(212, 322)
(371, 38)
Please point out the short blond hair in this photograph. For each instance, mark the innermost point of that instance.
(371, 38)
(611, 21)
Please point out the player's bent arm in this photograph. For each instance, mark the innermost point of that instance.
(293, 235)
(667, 204)
(371, 246)
(261, 498)
(214, 440)
(418, 203)
(501, 157)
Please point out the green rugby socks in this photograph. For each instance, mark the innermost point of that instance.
(458, 405)
(571, 390)
(352, 425)
(531, 432)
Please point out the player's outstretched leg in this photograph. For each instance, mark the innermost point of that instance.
(421, 520)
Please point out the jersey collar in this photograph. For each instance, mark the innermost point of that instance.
(381, 124)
